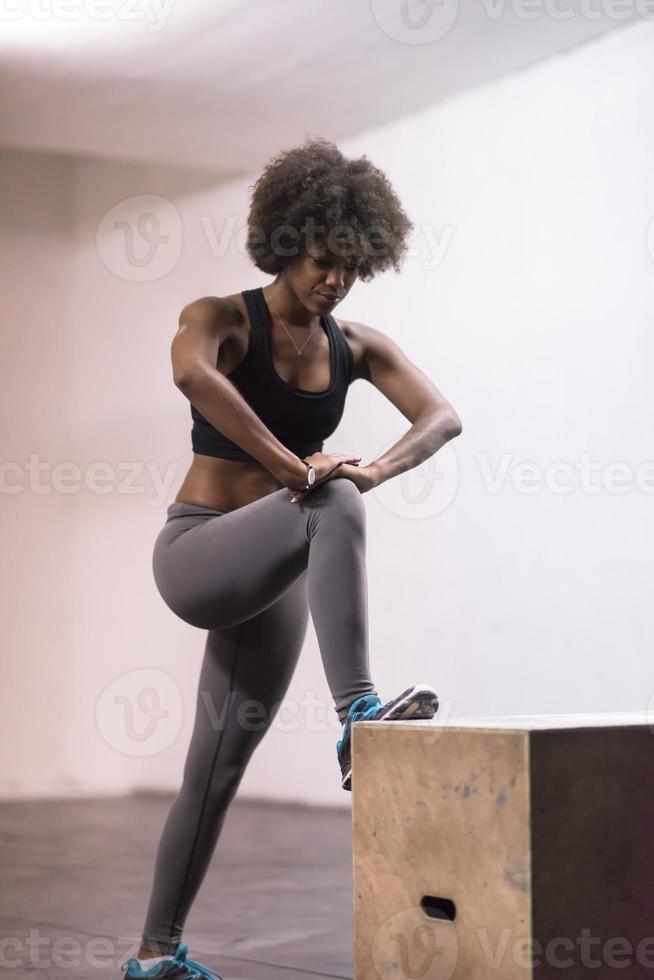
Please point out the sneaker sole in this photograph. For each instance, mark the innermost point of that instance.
(417, 702)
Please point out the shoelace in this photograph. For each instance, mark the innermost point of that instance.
(370, 712)
(200, 972)
(196, 971)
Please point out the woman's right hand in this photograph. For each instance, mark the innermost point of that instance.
(325, 465)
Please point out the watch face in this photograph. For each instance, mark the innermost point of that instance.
(312, 476)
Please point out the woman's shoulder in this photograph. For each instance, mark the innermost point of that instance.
(224, 307)
(227, 313)
(354, 335)
(350, 329)
(364, 336)
(367, 343)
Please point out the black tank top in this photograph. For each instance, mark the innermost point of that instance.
(299, 418)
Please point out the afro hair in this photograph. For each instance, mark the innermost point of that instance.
(347, 205)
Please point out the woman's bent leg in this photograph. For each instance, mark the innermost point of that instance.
(245, 674)
(218, 572)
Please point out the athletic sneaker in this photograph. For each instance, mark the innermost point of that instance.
(419, 701)
(177, 968)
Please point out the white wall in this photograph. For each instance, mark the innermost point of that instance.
(535, 321)
(36, 268)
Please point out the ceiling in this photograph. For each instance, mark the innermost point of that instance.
(224, 84)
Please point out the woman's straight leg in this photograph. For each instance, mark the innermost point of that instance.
(245, 674)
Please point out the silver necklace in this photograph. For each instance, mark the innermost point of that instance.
(298, 349)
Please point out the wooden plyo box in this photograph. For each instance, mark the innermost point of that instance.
(509, 848)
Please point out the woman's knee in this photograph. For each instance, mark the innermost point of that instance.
(342, 496)
(341, 492)
(337, 507)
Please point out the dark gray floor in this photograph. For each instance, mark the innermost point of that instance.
(276, 903)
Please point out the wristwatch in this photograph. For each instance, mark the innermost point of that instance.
(311, 475)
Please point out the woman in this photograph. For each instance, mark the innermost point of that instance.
(266, 526)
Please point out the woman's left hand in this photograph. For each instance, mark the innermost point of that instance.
(362, 476)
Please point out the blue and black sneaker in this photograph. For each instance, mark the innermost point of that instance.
(419, 701)
(177, 968)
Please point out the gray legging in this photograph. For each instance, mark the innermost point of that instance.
(250, 576)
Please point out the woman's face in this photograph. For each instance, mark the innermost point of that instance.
(322, 279)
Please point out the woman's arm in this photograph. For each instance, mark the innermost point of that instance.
(434, 420)
(203, 325)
